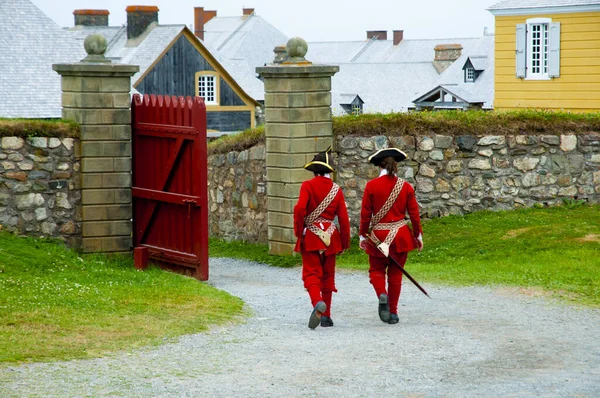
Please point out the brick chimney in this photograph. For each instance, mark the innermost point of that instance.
(201, 17)
(398, 36)
(91, 17)
(139, 18)
(445, 55)
(247, 11)
(377, 34)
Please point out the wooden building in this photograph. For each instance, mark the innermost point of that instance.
(547, 55)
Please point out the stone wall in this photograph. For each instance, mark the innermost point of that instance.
(237, 187)
(39, 193)
(452, 175)
(457, 175)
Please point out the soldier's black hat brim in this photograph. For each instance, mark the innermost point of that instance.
(381, 154)
(322, 163)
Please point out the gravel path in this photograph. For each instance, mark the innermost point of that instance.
(465, 342)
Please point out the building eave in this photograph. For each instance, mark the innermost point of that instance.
(544, 10)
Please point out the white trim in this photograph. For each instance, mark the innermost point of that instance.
(538, 20)
(544, 10)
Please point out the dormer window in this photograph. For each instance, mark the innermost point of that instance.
(473, 67)
(469, 75)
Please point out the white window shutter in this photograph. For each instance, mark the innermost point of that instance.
(554, 49)
(521, 43)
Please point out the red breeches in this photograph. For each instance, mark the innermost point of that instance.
(318, 274)
(377, 274)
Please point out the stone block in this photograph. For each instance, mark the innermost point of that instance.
(281, 249)
(281, 234)
(116, 180)
(106, 212)
(442, 141)
(92, 149)
(276, 174)
(285, 130)
(12, 143)
(277, 219)
(282, 205)
(122, 164)
(319, 129)
(116, 85)
(91, 245)
(97, 196)
(116, 116)
(87, 100)
(318, 99)
(92, 165)
(122, 132)
(91, 180)
(283, 190)
(106, 228)
(568, 142)
(116, 244)
(286, 160)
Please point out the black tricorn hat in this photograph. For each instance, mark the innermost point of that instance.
(381, 154)
(322, 163)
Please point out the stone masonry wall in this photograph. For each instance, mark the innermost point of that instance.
(39, 193)
(237, 186)
(451, 175)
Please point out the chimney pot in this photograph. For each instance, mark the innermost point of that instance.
(398, 36)
(139, 18)
(247, 11)
(91, 17)
(377, 34)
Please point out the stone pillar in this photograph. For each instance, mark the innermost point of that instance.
(95, 94)
(297, 126)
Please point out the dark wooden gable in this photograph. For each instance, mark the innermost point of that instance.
(175, 74)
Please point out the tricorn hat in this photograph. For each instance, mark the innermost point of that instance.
(381, 154)
(322, 163)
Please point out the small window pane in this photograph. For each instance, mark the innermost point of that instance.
(207, 88)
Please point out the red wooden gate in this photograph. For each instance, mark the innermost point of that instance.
(169, 165)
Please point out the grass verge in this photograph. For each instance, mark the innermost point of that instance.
(56, 305)
(553, 251)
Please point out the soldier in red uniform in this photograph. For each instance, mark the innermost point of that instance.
(383, 230)
(319, 240)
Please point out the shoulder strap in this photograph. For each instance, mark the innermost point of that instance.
(323, 205)
(389, 202)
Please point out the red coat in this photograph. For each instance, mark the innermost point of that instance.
(376, 193)
(312, 193)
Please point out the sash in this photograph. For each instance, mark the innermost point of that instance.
(315, 216)
(384, 246)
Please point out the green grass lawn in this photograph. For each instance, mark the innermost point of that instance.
(57, 305)
(551, 250)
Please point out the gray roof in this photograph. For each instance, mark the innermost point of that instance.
(245, 41)
(30, 42)
(390, 77)
(482, 90)
(516, 4)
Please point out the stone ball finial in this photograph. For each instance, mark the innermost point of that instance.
(296, 47)
(95, 46)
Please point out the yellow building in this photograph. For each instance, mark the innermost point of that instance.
(547, 54)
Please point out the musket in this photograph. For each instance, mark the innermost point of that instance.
(391, 257)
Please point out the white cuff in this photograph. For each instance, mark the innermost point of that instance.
(361, 238)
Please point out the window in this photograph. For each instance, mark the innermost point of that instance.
(207, 88)
(469, 75)
(357, 109)
(538, 49)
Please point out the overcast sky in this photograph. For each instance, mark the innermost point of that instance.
(313, 20)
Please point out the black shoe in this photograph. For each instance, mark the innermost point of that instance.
(315, 316)
(326, 321)
(393, 319)
(384, 308)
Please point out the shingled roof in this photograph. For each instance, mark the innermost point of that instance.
(30, 42)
